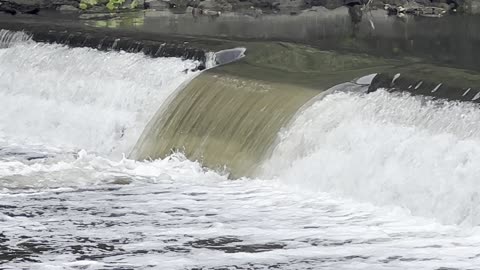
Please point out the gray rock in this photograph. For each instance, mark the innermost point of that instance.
(16, 6)
(98, 9)
(472, 6)
(28, 2)
(218, 5)
(156, 4)
(130, 4)
(21, 5)
(265, 4)
(7, 9)
(96, 16)
(68, 8)
(289, 4)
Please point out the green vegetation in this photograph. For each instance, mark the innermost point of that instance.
(110, 5)
(114, 4)
(86, 4)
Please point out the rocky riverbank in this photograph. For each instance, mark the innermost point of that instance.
(216, 7)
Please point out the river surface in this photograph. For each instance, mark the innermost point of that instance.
(356, 181)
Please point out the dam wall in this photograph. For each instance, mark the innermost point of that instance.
(76, 36)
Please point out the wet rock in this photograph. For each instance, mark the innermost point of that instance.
(156, 4)
(31, 3)
(133, 4)
(68, 8)
(218, 5)
(290, 4)
(266, 4)
(28, 6)
(7, 9)
(16, 6)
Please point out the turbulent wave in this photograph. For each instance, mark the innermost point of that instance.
(389, 150)
(81, 98)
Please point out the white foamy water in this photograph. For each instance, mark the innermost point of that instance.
(82, 98)
(387, 150)
(172, 214)
(66, 208)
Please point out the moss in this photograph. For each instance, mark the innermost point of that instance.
(89, 3)
(86, 4)
(114, 4)
(83, 6)
(110, 6)
(134, 4)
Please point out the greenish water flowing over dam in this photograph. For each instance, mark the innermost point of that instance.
(222, 121)
(228, 117)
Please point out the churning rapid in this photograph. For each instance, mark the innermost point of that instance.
(349, 180)
(80, 98)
